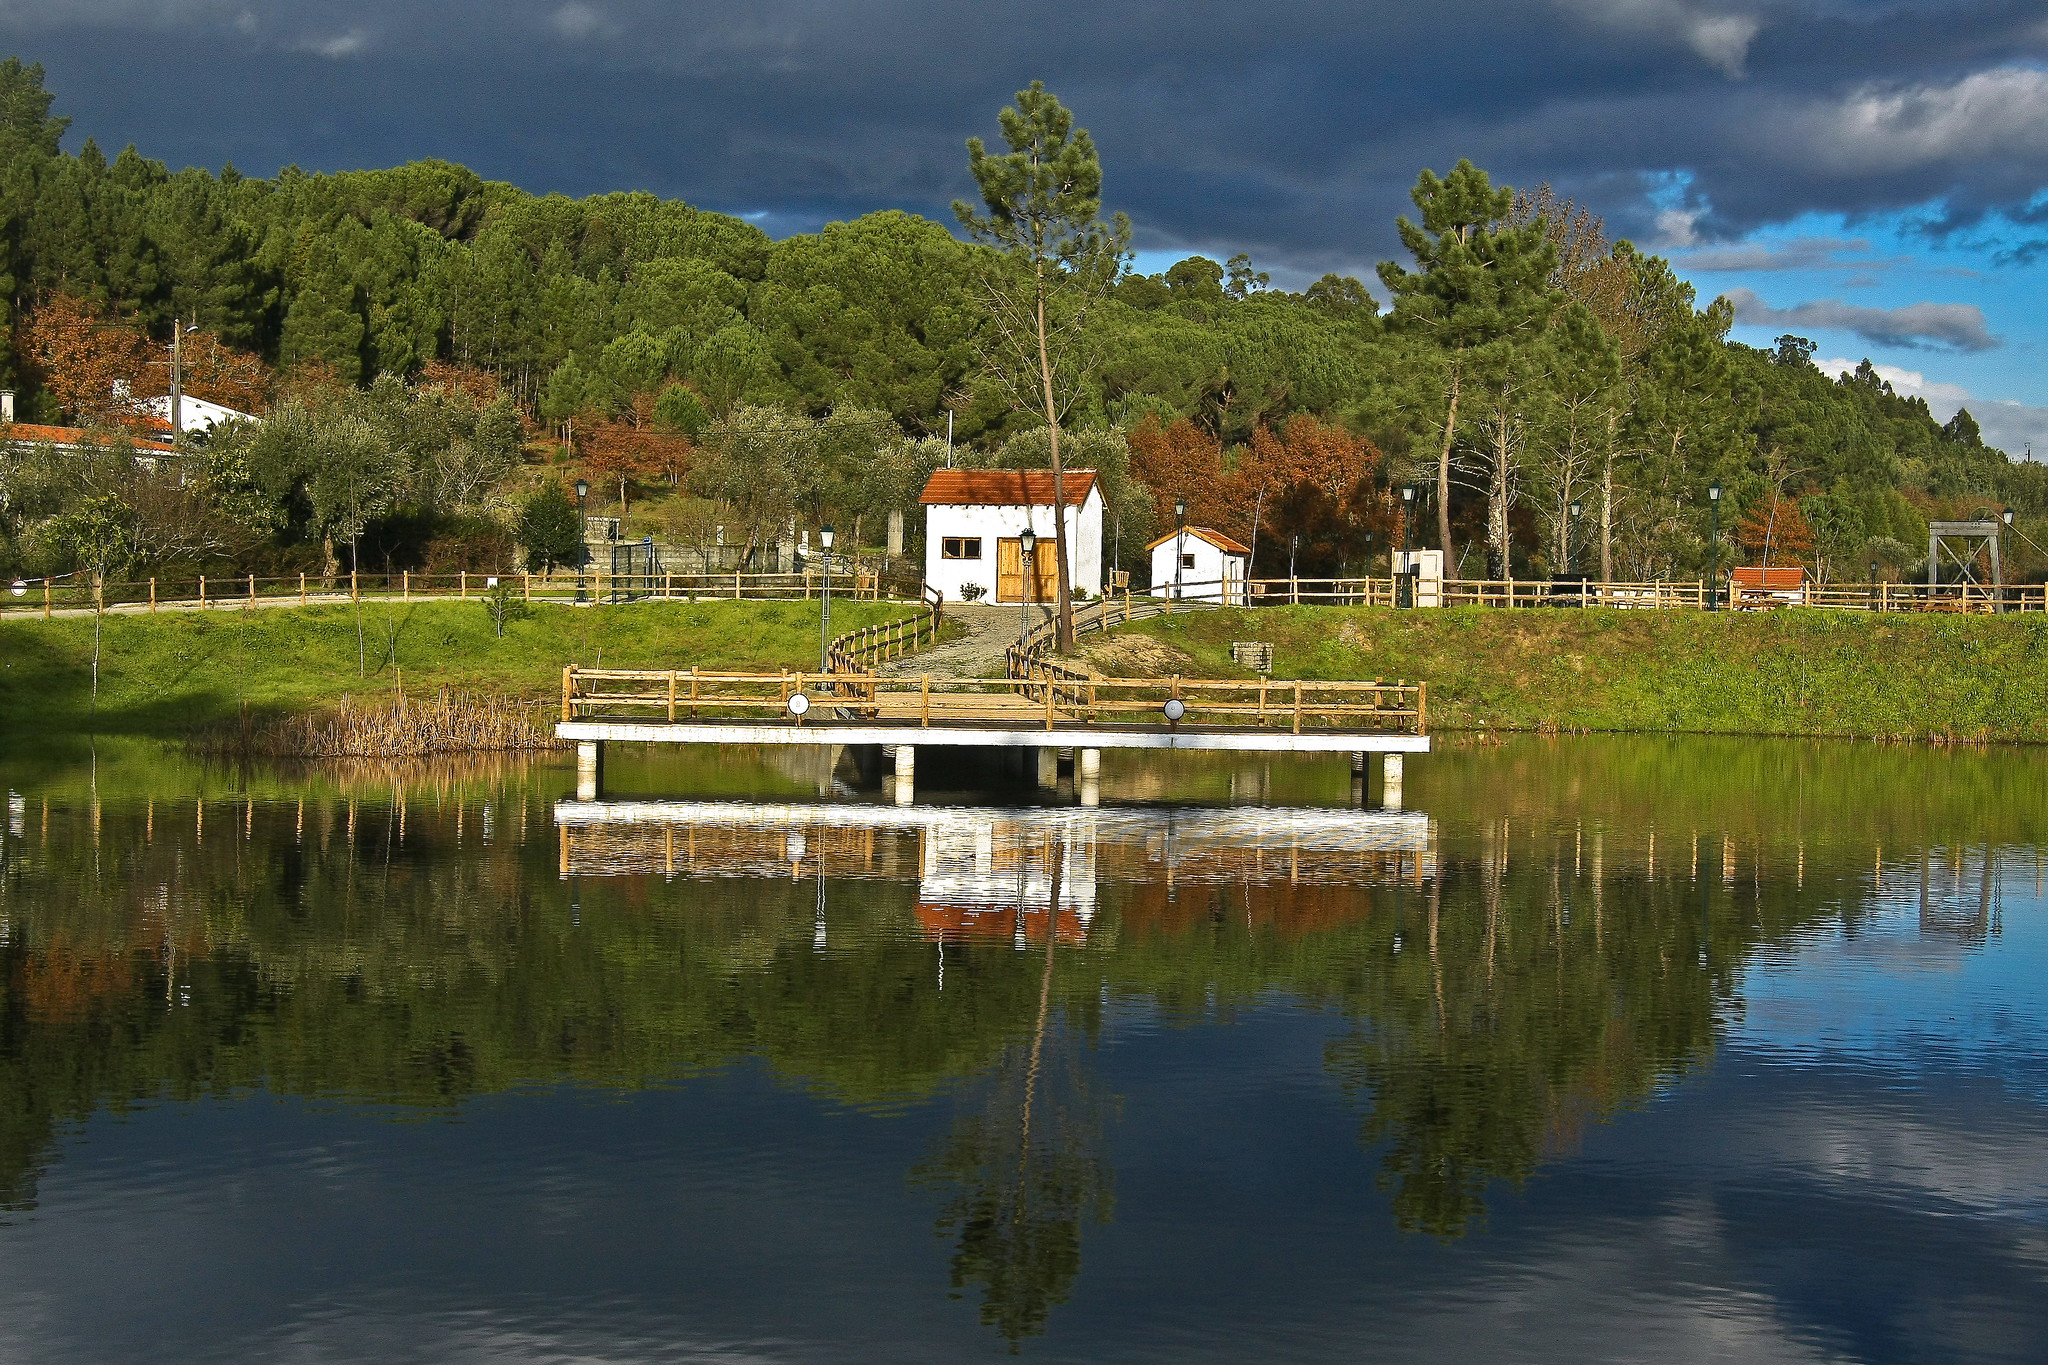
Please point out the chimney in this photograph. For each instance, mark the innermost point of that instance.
(6, 405)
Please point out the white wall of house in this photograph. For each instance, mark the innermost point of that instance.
(989, 523)
(196, 414)
(1208, 573)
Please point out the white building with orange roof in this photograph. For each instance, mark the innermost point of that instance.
(1212, 567)
(974, 522)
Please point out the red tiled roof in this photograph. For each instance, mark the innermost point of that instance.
(1216, 538)
(1769, 580)
(1004, 487)
(66, 436)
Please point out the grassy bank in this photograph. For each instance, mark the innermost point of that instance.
(176, 673)
(1781, 673)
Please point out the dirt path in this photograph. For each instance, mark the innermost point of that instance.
(978, 653)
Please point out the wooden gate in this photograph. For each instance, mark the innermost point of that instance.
(1010, 584)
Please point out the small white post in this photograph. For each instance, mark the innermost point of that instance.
(1088, 768)
(589, 769)
(1390, 782)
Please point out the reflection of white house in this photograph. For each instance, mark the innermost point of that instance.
(194, 414)
(1213, 567)
(973, 523)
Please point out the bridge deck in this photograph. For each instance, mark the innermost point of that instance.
(1050, 707)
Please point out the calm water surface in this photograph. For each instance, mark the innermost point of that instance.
(1603, 1050)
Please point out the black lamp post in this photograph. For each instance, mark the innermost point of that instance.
(825, 618)
(1180, 542)
(1293, 544)
(1027, 545)
(1407, 517)
(1714, 548)
(582, 536)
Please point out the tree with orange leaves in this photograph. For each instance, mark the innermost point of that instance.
(633, 447)
(1315, 480)
(1775, 531)
(95, 369)
(1180, 461)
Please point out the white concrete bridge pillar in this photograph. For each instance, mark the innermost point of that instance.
(589, 769)
(1088, 769)
(1390, 782)
(906, 773)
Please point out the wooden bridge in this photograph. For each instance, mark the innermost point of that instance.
(1037, 705)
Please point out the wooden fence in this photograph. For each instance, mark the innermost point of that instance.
(860, 650)
(77, 592)
(1054, 697)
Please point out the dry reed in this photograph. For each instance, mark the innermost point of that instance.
(453, 723)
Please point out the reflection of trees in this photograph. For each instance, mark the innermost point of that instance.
(1026, 1167)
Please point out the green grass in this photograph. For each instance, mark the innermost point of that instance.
(169, 674)
(1785, 673)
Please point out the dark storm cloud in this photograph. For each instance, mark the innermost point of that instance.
(1294, 129)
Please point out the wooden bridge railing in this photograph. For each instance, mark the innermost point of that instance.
(859, 651)
(1055, 697)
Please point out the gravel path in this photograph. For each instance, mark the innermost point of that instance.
(976, 654)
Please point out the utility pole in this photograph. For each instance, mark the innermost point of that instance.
(1714, 549)
(178, 331)
(1180, 543)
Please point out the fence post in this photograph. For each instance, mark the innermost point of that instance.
(302, 590)
(462, 583)
(1297, 706)
(46, 599)
(355, 591)
(404, 585)
(568, 684)
(252, 587)
(202, 592)
(671, 696)
(152, 597)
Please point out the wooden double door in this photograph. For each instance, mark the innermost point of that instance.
(1011, 583)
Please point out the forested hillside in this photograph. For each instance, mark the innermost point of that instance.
(434, 335)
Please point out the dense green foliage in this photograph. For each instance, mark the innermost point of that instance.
(1803, 672)
(1525, 363)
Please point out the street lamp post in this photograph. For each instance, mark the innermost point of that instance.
(582, 534)
(1407, 516)
(1027, 545)
(825, 617)
(1571, 530)
(1714, 548)
(1293, 544)
(1180, 543)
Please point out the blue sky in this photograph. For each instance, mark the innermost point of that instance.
(1870, 173)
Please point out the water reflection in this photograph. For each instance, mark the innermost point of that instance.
(1487, 985)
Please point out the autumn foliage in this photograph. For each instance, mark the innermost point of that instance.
(1305, 478)
(1775, 531)
(101, 371)
(632, 448)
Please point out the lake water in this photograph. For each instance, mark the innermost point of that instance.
(1602, 1050)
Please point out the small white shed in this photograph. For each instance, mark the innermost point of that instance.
(1212, 567)
(973, 533)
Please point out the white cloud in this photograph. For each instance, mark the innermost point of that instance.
(1800, 253)
(1958, 325)
(1720, 38)
(1678, 227)
(2014, 428)
(1989, 114)
(579, 20)
(337, 47)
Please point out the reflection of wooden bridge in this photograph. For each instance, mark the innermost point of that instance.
(985, 874)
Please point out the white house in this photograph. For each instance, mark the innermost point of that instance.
(194, 414)
(973, 525)
(1213, 567)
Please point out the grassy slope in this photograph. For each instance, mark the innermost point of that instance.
(1791, 672)
(166, 674)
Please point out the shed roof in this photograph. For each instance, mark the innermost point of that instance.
(1003, 487)
(1216, 538)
